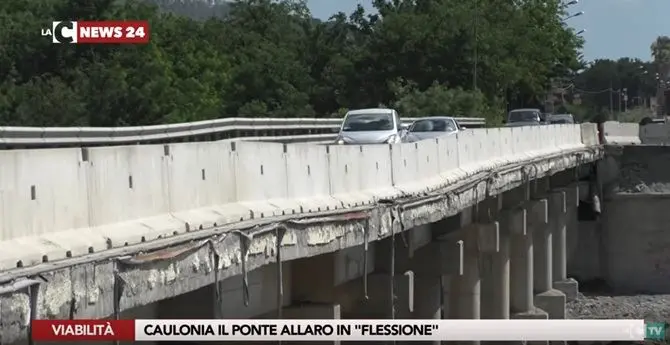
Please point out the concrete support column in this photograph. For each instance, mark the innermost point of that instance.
(427, 300)
(492, 268)
(521, 263)
(452, 263)
(521, 267)
(564, 207)
(501, 280)
(500, 267)
(559, 222)
(313, 311)
(417, 273)
(495, 272)
(445, 284)
(543, 247)
(333, 284)
(427, 297)
(467, 287)
(462, 296)
(427, 293)
(456, 259)
(546, 297)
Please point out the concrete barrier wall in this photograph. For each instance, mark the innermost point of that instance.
(627, 246)
(636, 256)
(632, 133)
(655, 134)
(58, 203)
(590, 135)
(621, 133)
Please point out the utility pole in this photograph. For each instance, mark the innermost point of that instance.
(611, 101)
(475, 57)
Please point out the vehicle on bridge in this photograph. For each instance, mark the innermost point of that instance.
(371, 126)
(544, 117)
(524, 117)
(431, 127)
(561, 119)
(650, 121)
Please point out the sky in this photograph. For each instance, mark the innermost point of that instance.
(614, 28)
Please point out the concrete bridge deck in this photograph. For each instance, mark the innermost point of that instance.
(100, 232)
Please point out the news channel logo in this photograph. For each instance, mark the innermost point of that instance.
(62, 32)
(655, 330)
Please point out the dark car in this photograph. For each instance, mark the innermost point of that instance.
(524, 117)
(561, 119)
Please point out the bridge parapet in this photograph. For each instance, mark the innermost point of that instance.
(618, 133)
(655, 134)
(621, 133)
(68, 202)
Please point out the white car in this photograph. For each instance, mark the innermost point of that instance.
(431, 127)
(371, 126)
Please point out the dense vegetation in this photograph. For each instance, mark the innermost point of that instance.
(607, 87)
(269, 58)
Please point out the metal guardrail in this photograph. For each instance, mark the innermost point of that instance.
(210, 130)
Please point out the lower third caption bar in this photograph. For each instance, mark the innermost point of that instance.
(342, 330)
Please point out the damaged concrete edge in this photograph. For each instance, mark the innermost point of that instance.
(87, 289)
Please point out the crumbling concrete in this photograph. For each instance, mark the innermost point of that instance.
(107, 283)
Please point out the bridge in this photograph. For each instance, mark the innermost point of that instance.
(475, 225)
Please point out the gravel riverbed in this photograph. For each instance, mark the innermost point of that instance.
(651, 308)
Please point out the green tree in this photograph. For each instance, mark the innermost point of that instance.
(271, 58)
(601, 85)
(660, 50)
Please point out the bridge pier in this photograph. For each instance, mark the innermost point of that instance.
(489, 247)
(462, 253)
(313, 311)
(546, 297)
(417, 278)
(500, 308)
(452, 262)
(561, 217)
(426, 285)
(422, 253)
(521, 269)
(427, 291)
(497, 264)
(467, 287)
(320, 289)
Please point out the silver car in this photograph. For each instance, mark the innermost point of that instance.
(370, 126)
(561, 118)
(431, 127)
(524, 117)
